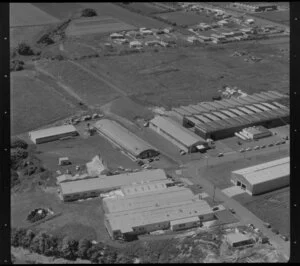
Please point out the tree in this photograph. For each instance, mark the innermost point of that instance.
(17, 235)
(46, 39)
(69, 248)
(16, 65)
(88, 12)
(83, 246)
(14, 178)
(16, 157)
(39, 243)
(26, 241)
(24, 49)
(19, 143)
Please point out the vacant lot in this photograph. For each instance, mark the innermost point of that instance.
(25, 14)
(81, 83)
(272, 207)
(35, 103)
(146, 8)
(275, 16)
(187, 18)
(78, 219)
(182, 76)
(97, 25)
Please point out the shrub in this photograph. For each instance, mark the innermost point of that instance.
(24, 49)
(28, 237)
(19, 143)
(69, 248)
(17, 236)
(16, 157)
(83, 246)
(46, 39)
(14, 179)
(88, 12)
(16, 65)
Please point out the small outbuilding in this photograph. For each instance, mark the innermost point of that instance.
(238, 240)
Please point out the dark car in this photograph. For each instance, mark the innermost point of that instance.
(140, 163)
(275, 231)
(267, 225)
(232, 210)
(285, 238)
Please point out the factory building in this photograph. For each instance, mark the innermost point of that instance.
(190, 109)
(175, 216)
(176, 133)
(52, 134)
(238, 240)
(93, 187)
(262, 178)
(134, 146)
(255, 7)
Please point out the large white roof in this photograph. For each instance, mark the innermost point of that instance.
(265, 172)
(52, 131)
(109, 182)
(177, 131)
(182, 210)
(140, 201)
(123, 137)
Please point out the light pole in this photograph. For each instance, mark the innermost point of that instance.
(214, 186)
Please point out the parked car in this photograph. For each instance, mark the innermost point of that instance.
(242, 150)
(251, 226)
(220, 154)
(262, 146)
(150, 160)
(140, 163)
(215, 208)
(232, 210)
(267, 225)
(275, 231)
(248, 149)
(256, 147)
(182, 152)
(271, 145)
(277, 143)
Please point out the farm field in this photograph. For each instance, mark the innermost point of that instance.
(97, 26)
(183, 76)
(146, 8)
(132, 18)
(187, 18)
(35, 103)
(275, 16)
(88, 88)
(64, 11)
(25, 14)
(272, 207)
(24, 34)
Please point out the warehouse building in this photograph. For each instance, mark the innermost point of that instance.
(143, 188)
(52, 134)
(177, 134)
(262, 178)
(190, 109)
(175, 216)
(238, 240)
(93, 187)
(146, 199)
(134, 146)
(199, 108)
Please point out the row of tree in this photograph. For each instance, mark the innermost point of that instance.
(67, 248)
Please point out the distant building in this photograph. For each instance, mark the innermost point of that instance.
(134, 146)
(264, 177)
(175, 133)
(52, 134)
(93, 187)
(255, 7)
(238, 240)
(257, 132)
(135, 44)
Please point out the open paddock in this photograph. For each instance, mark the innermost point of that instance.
(86, 86)
(97, 25)
(282, 17)
(146, 8)
(34, 103)
(25, 14)
(187, 18)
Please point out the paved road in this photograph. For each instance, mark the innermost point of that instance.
(243, 213)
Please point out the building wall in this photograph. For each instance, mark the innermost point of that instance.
(84, 195)
(271, 185)
(177, 227)
(54, 137)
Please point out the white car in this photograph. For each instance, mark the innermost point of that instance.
(249, 149)
(256, 147)
(262, 146)
(242, 150)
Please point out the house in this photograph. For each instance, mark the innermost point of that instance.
(135, 44)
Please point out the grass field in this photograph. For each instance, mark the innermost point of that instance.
(187, 18)
(97, 25)
(78, 219)
(91, 90)
(24, 34)
(34, 103)
(272, 207)
(146, 8)
(200, 73)
(276, 16)
(25, 14)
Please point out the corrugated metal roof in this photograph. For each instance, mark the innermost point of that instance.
(245, 110)
(184, 210)
(236, 111)
(248, 99)
(216, 105)
(181, 111)
(264, 97)
(104, 182)
(185, 220)
(190, 109)
(211, 117)
(177, 131)
(264, 175)
(232, 103)
(52, 131)
(123, 137)
(264, 108)
(270, 106)
(202, 118)
(228, 113)
(279, 105)
(199, 108)
(143, 188)
(262, 166)
(193, 120)
(158, 198)
(207, 106)
(220, 115)
(277, 93)
(257, 98)
(271, 95)
(254, 109)
(240, 100)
